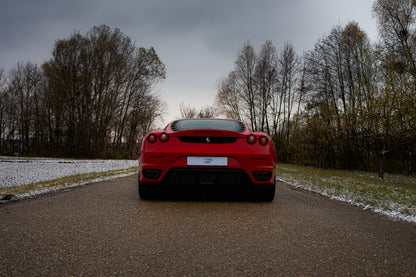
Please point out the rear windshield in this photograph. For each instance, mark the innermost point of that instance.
(213, 124)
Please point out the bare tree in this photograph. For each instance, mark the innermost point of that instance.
(396, 21)
(3, 110)
(24, 88)
(191, 112)
(342, 81)
(100, 78)
(266, 79)
(245, 66)
(288, 71)
(228, 98)
(187, 111)
(207, 112)
(261, 89)
(396, 57)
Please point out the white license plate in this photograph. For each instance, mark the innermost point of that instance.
(207, 161)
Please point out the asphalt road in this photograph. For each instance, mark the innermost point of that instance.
(103, 229)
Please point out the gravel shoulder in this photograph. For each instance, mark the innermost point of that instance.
(104, 229)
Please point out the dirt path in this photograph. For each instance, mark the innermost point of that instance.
(103, 229)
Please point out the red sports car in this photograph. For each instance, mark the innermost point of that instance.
(207, 153)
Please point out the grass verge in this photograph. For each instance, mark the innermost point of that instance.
(395, 195)
(65, 182)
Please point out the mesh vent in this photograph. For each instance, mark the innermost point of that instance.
(242, 128)
(174, 126)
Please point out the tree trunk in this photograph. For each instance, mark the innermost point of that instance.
(381, 165)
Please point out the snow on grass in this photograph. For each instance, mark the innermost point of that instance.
(26, 177)
(394, 196)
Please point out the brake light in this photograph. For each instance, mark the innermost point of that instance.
(152, 138)
(263, 140)
(164, 137)
(251, 139)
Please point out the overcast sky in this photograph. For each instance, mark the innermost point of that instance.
(197, 40)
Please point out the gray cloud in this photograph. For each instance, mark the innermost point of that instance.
(197, 40)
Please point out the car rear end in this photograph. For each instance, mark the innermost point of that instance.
(229, 158)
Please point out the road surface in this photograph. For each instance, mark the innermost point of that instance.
(103, 229)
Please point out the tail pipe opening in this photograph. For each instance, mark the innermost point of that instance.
(152, 173)
(262, 175)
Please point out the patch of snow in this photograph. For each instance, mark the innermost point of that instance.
(67, 186)
(391, 210)
(23, 171)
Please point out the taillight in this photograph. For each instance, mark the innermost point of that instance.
(152, 138)
(251, 139)
(164, 137)
(263, 140)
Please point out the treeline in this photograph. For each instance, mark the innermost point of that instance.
(91, 99)
(348, 103)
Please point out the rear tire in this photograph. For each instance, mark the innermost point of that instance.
(146, 192)
(265, 195)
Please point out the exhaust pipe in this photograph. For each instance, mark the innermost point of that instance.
(262, 175)
(152, 173)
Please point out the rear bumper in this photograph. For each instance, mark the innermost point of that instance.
(208, 177)
(241, 169)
